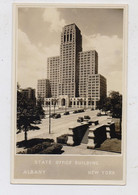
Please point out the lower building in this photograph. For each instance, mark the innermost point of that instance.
(96, 90)
(96, 87)
(43, 89)
(53, 74)
(28, 93)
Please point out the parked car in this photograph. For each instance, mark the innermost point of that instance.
(99, 114)
(57, 116)
(80, 119)
(103, 113)
(82, 110)
(66, 113)
(87, 117)
(52, 115)
(79, 111)
(109, 113)
(75, 111)
(92, 108)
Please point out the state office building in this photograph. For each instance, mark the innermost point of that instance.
(73, 76)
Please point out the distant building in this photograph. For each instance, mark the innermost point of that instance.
(88, 65)
(43, 89)
(73, 75)
(28, 93)
(53, 74)
(96, 88)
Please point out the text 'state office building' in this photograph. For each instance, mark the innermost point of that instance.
(73, 76)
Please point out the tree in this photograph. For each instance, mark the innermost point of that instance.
(24, 121)
(39, 111)
(102, 104)
(106, 104)
(55, 102)
(27, 112)
(114, 104)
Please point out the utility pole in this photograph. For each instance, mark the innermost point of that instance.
(49, 118)
(54, 105)
(85, 102)
(65, 106)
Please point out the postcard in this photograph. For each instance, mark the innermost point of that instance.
(69, 94)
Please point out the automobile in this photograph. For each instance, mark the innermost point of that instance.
(75, 111)
(103, 113)
(66, 113)
(79, 111)
(57, 116)
(80, 119)
(92, 108)
(109, 113)
(87, 117)
(37, 122)
(82, 110)
(99, 114)
(52, 115)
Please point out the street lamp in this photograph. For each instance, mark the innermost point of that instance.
(85, 102)
(65, 106)
(54, 105)
(49, 118)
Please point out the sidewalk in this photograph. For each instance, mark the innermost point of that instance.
(82, 150)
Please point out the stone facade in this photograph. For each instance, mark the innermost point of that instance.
(73, 75)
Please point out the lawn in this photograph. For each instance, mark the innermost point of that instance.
(117, 127)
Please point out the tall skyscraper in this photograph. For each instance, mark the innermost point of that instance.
(71, 45)
(74, 74)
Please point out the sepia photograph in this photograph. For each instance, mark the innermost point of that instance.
(69, 115)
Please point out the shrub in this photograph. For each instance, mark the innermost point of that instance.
(54, 149)
(33, 142)
(62, 139)
(23, 152)
(38, 148)
(86, 117)
(45, 148)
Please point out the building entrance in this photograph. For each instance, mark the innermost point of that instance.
(63, 102)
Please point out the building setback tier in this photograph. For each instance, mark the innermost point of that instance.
(43, 88)
(74, 73)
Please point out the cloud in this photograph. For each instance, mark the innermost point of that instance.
(32, 60)
(114, 81)
(110, 49)
(53, 50)
(52, 16)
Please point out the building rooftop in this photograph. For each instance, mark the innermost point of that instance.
(88, 51)
(73, 24)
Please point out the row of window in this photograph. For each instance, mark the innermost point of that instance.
(67, 46)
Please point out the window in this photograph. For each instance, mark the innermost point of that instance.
(70, 37)
(64, 38)
(67, 37)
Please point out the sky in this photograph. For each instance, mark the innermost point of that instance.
(39, 31)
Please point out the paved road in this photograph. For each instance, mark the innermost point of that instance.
(58, 126)
(61, 110)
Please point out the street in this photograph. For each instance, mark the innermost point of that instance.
(59, 126)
